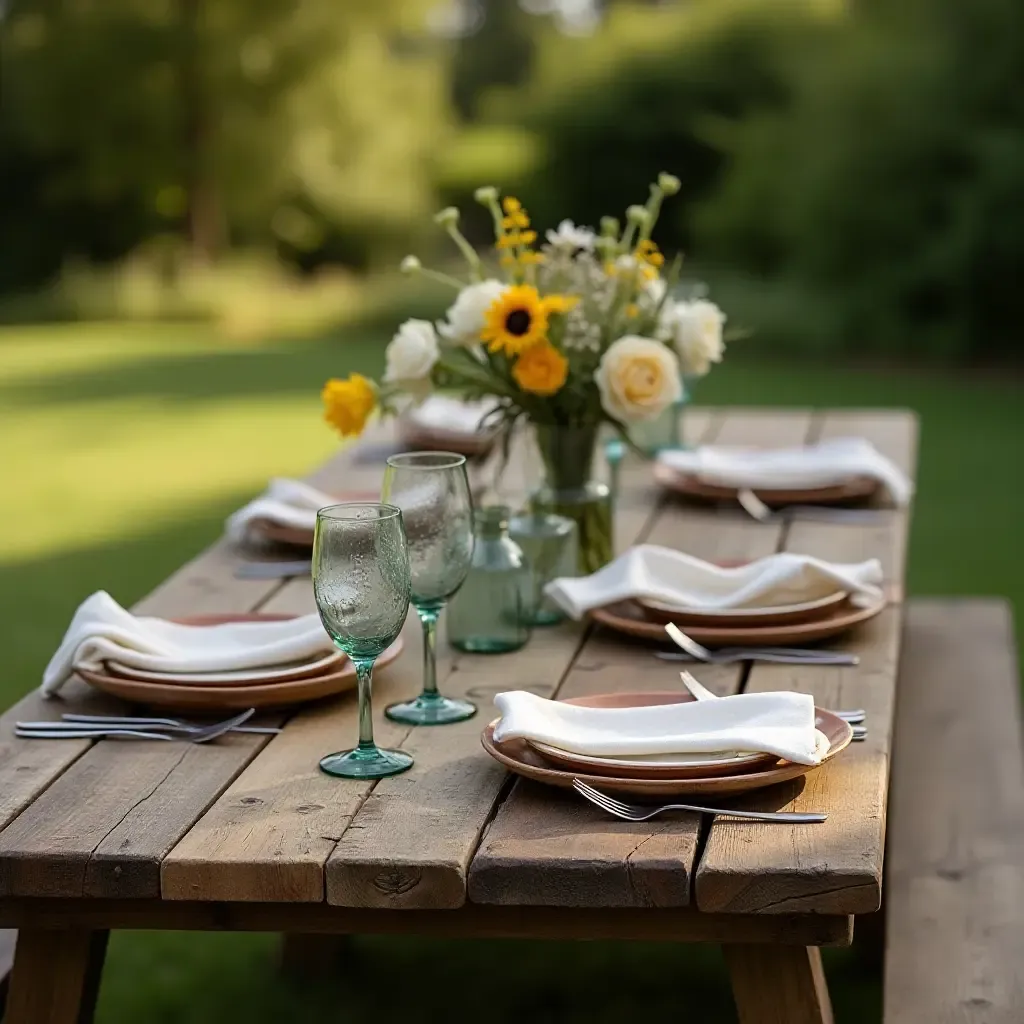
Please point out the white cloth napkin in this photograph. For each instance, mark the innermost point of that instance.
(444, 415)
(102, 629)
(284, 502)
(672, 577)
(816, 465)
(774, 723)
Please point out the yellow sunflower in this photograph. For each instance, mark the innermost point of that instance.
(518, 318)
(541, 370)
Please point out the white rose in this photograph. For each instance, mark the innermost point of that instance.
(570, 237)
(411, 356)
(466, 316)
(694, 330)
(638, 379)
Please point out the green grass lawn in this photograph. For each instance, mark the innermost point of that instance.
(126, 446)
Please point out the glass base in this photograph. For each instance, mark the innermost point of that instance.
(487, 644)
(543, 617)
(365, 763)
(431, 710)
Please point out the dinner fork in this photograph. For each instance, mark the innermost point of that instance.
(758, 510)
(163, 724)
(71, 730)
(634, 812)
(727, 655)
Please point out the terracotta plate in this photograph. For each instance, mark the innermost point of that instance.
(522, 759)
(316, 666)
(291, 536)
(630, 618)
(653, 767)
(191, 697)
(803, 612)
(854, 489)
(472, 446)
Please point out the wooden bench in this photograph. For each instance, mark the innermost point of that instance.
(954, 869)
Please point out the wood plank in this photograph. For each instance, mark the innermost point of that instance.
(470, 921)
(778, 985)
(955, 873)
(835, 867)
(8, 938)
(547, 848)
(56, 977)
(270, 834)
(104, 816)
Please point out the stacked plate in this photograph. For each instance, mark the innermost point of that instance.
(664, 775)
(323, 674)
(789, 624)
(854, 488)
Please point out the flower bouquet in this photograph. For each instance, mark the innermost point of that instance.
(577, 332)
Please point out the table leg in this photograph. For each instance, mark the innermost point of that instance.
(56, 976)
(778, 984)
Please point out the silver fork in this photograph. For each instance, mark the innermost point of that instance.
(758, 510)
(726, 655)
(71, 730)
(163, 724)
(633, 812)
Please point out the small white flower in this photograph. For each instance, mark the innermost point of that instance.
(569, 236)
(411, 356)
(638, 379)
(694, 329)
(653, 291)
(466, 316)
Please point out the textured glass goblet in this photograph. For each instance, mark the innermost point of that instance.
(432, 490)
(361, 588)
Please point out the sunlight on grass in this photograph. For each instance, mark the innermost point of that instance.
(120, 468)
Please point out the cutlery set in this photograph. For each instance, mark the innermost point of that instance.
(127, 727)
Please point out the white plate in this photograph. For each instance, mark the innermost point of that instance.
(317, 665)
(753, 613)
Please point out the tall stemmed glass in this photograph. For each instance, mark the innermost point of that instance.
(432, 490)
(361, 587)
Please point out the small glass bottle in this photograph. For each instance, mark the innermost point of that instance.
(550, 545)
(493, 610)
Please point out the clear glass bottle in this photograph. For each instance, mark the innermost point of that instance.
(550, 545)
(493, 610)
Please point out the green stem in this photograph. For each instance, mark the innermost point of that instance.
(437, 275)
(428, 619)
(467, 250)
(364, 675)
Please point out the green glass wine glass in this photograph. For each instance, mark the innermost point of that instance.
(361, 588)
(432, 490)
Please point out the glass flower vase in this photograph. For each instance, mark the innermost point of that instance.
(569, 490)
(665, 431)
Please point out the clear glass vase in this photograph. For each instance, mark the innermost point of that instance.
(569, 490)
(549, 543)
(666, 431)
(493, 610)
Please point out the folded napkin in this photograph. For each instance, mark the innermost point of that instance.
(441, 414)
(672, 577)
(816, 465)
(102, 629)
(774, 723)
(285, 503)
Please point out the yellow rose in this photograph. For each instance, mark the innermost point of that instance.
(541, 370)
(348, 403)
(638, 379)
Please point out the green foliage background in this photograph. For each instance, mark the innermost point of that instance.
(853, 172)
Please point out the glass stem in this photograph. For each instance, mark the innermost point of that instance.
(428, 617)
(364, 673)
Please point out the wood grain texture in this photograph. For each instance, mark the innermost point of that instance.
(104, 816)
(778, 984)
(470, 921)
(548, 848)
(8, 938)
(955, 942)
(56, 977)
(835, 867)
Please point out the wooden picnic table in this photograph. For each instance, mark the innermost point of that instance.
(247, 834)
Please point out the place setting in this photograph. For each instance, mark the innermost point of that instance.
(669, 743)
(782, 599)
(808, 481)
